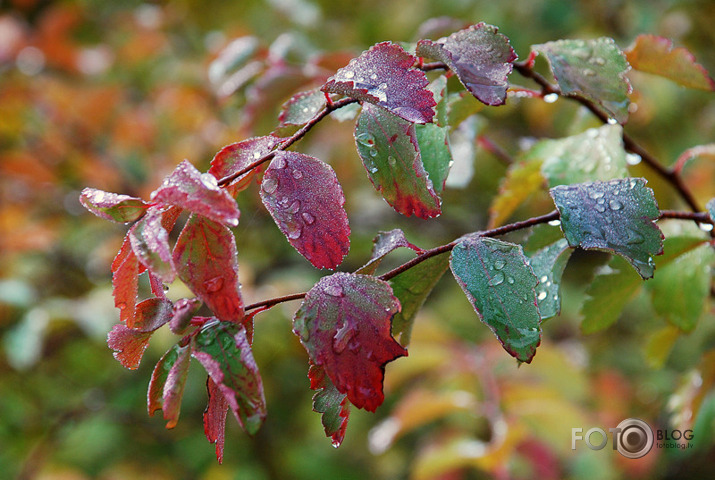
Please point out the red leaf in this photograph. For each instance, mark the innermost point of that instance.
(150, 314)
(332, 404)
(125, 272)
(183, 310)
(215, 418)
(303, 196)
(224, 351)
(128, 345)
(205, 260)
(236, 156)
(344, 324)
(384, 76)
(166, 387)
(150, 241)
(112, 206)
(481, 58)
(188, 188)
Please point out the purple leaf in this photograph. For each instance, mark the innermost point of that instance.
(303, 196)
(205, 260)
(384, 243)
(189, 189)
(332, 404)
(344, 324)
(481, 58)
(390, 152)
(182, 313)
(224, 351)
(384, 76)
(166, 387)
(237, 156)
(112, 206)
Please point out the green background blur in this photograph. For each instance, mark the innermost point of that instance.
(113, 94)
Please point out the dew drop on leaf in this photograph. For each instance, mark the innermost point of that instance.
(278, 162)
(497, 279)
(551, 97)
(213, 284)
(499, 264)
(615, 204)
(333, 290)
(297, 174)
(294, 207)
(309, 219)
(269, 185)
(294, 232)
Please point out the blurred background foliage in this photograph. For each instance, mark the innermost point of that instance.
(114, 94)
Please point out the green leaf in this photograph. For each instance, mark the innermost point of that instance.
(434, 150)
(500, 285)
(613, 287)
(411, 288)
(223, 349)
(390, 152)
(548, 265)
(384, 243)
(331, 403)
(595, 69)
(656, 55)
(166, 387)
(615, 216)
(596, 154)
(300, 108)
(680, 290)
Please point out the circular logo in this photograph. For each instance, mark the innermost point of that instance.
(635, 438)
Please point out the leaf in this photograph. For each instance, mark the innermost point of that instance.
(596, 154)
(613, 287)
(659, 345)
(548, 265)
(656, 55)
(166, 387)
(183, 310)
(382, 244)
(128, 345)
(235, 65)
(344, 324)
(150, 314)
(481, 58)
(711, 209)
(390, 152)
(300, 108)
(215, 418)
(205, 260)
(223, 349)
(112, 206)
(125, 283)
(150, 241)
(522, 180)
(237, 156)
(332, 404)
(616, 216)
(499, 284)
(412, 287)
(595, 69)
(383, 75)
(433, 145)
(680, 291)
(303, 196)
(189, 189)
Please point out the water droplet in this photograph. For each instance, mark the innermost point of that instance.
(497, 279)
(499, 264)
(349, 74)
(633, 159)
(297, 174)
(279, 162)
(342, 338)
(634, 238)
(209, 181)
(615, 204)
(391, 160)
(510, 280)
(600, 207)
(551, 97)
(309, 219)
(373, 76)
(333, 290)
(366, 139)
(382, 86)
(542, 296)
(705, 227)
(373, 152)
(596, 194)
(588, 72)
(294, 232)
(269, 185)
(213, 285)
(612, 121)
(256, 155)
(544, 279)
(294, 207)
(554, 223)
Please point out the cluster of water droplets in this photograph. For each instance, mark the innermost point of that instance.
(367, 140)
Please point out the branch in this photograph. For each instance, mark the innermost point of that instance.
(669, 174)
(329, 108)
